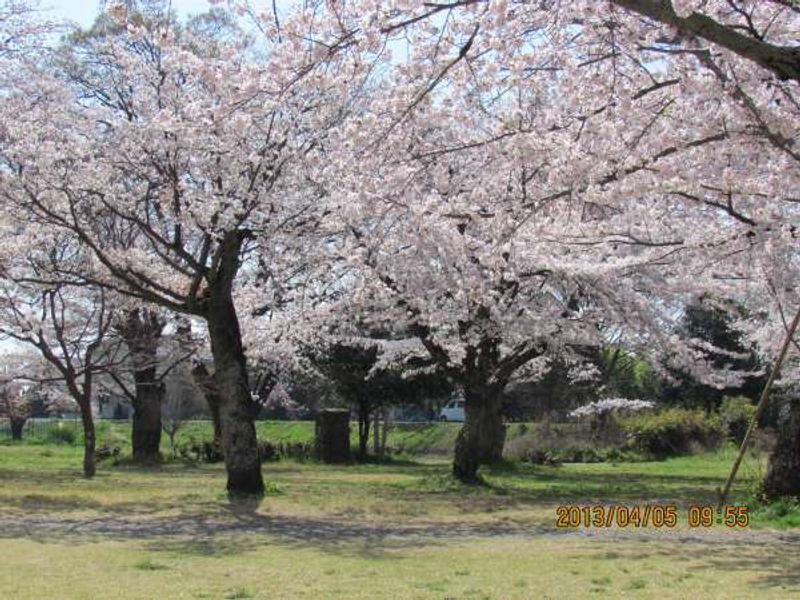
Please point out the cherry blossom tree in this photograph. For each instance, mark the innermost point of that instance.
(536, 176)
(519, 181)
(27, 387)
(173, 167)
(24, 27)
(768, 330)
(15, 400)
(740, 27)
(68, 326)
(141, 330)
(178, 406)
(153, 353)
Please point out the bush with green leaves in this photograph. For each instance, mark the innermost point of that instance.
(603, 415)
(736, 412)
(673, 432)
(578, 454)
(62, 434)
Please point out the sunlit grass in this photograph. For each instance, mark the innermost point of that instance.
(263, 567)
(38, 478)
(334, 532)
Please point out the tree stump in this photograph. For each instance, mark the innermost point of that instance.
(332, 435)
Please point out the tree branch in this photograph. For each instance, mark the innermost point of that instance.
(784, 62)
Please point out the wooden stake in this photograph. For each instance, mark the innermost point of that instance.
(762, 402)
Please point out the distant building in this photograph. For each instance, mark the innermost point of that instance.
(111, 406)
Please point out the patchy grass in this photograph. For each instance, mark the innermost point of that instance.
(148, 565)
(783, 513)
(414, 439)
(510, 569)
(48, 478)
(406, 531)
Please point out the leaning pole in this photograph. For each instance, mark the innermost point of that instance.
(762, 402)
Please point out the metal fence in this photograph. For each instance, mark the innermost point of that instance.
(45, 429)
(61, 429)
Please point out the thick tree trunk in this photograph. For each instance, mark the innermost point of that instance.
(239, 442)
(482, 436)
(141, 331)
(783, 473)
(493, 437)
(17, 425)
(88, 440)
(147, 416)
(213, 408)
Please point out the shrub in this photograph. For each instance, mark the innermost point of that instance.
(736, 412)
(672, 432)
(61, 434)
(211, 452)
(105, 451)
(207, 451)
(541, 457)
(604, 415)
(577, 454)
(296, 450)
(548, 443)
(267, 451)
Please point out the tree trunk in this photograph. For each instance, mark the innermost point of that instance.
(376, 434)
(482, 436)
(213, 407)
(205, 381)
(363, 429)
(88, 439)
(494, 438)
(171, 433)
(239, 443)
(783, 473)
(147, 416)
(17, 425)
(141, 331)
(384, 432)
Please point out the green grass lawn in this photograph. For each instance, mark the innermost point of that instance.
(404, 530)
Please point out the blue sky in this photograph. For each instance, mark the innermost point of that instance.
(84, 11)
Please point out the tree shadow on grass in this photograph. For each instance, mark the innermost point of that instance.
(246, 530)
(553, 483)
(781, 568)
(189, 525)
(426, 489)
(42, 502)
(772, 559)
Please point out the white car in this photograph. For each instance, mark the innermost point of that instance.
(453, 411)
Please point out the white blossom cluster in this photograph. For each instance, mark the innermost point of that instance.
(610, 405)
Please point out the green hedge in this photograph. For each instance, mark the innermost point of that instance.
(673, 432)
